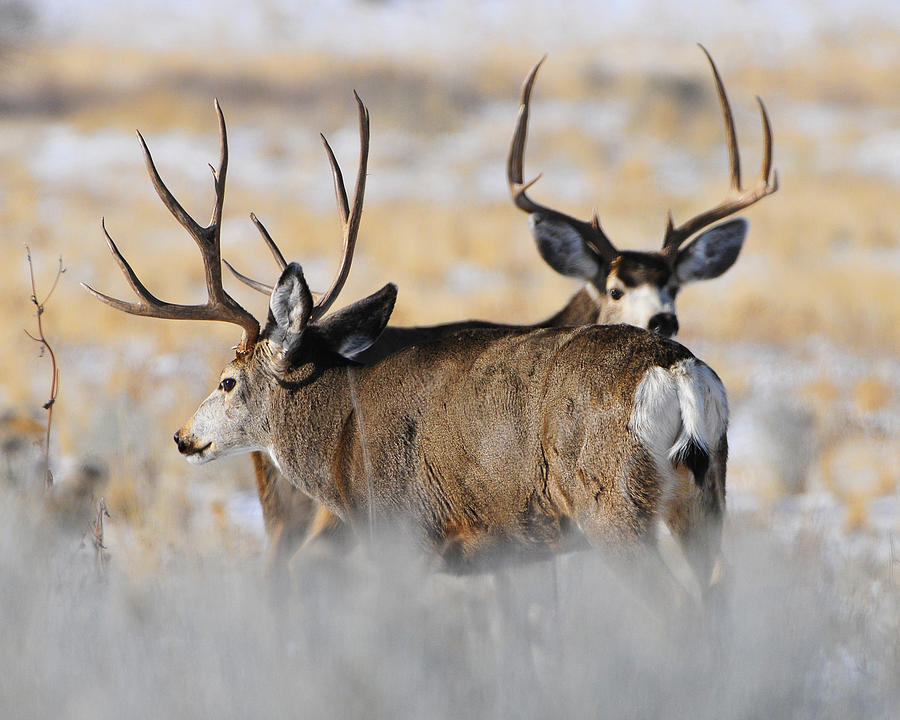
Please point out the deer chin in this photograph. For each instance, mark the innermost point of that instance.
(201, 455)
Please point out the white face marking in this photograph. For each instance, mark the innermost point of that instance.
(220, 425)
(636, 305)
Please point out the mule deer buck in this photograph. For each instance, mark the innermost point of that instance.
(635, 287)
(632, 287)
(517, 440)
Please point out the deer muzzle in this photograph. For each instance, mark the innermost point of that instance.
(665, 324)
(189, 447)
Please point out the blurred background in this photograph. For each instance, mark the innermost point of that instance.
(804, 329)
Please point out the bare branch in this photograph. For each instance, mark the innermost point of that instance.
(41, 339)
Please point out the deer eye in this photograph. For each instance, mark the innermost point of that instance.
(227, 384)
(616, 293)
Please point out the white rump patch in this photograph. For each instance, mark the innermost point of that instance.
(656, 418)
(675, 406)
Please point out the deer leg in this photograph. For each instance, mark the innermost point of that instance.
(695, 517)
(287, 513)
(326, 532)
(517, 674)
(625, 533)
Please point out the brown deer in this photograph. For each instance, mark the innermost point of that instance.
(632, 287)
(519, 441)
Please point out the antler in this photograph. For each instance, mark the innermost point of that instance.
(737, 198)
(349, 220)
(276, 253)
(514, 163)
(350, 214)
(518, 189)
(220, 305)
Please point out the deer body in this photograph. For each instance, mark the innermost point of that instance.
(528, 441)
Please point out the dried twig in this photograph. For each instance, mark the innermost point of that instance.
(97, 534)
(40, 339)
(893, 560)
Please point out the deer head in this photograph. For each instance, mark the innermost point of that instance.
(297, 335)
(634, 287)
(292, 351)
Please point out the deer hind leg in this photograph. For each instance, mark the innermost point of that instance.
(326, 533)
(695, 515)
(647, 579)
(619, 518)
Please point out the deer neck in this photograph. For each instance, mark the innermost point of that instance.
(582, 309)
(326, 437)
(306, 414)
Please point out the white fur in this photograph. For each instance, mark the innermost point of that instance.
(594, 294)
(656, 417)
(642, 303)
(704, 406)
(674, 406)
(270, 450)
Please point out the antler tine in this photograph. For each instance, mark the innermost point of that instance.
(599, 241)
(276, 253)
(270, 243)
(514, 163)
(249, 281)
(737, 198)
(220, 305)
(340, 192)
(767, 143)
(734, 157)
(207, 238)
(350, 214)
(181, 215)
(148, 300)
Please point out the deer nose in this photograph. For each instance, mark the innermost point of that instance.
(665, 324)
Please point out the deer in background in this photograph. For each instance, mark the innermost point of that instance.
(492, 441)
(632, 287)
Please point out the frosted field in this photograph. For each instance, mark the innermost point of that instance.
(804, 330)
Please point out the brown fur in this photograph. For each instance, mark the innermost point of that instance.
(287, 515)
(510, 440)
(581, 309)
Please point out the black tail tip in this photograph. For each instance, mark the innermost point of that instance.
(696, 458)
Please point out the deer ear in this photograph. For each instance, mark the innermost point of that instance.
(562, 244)
(711, 253)
(356, 327)
(290, 305)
